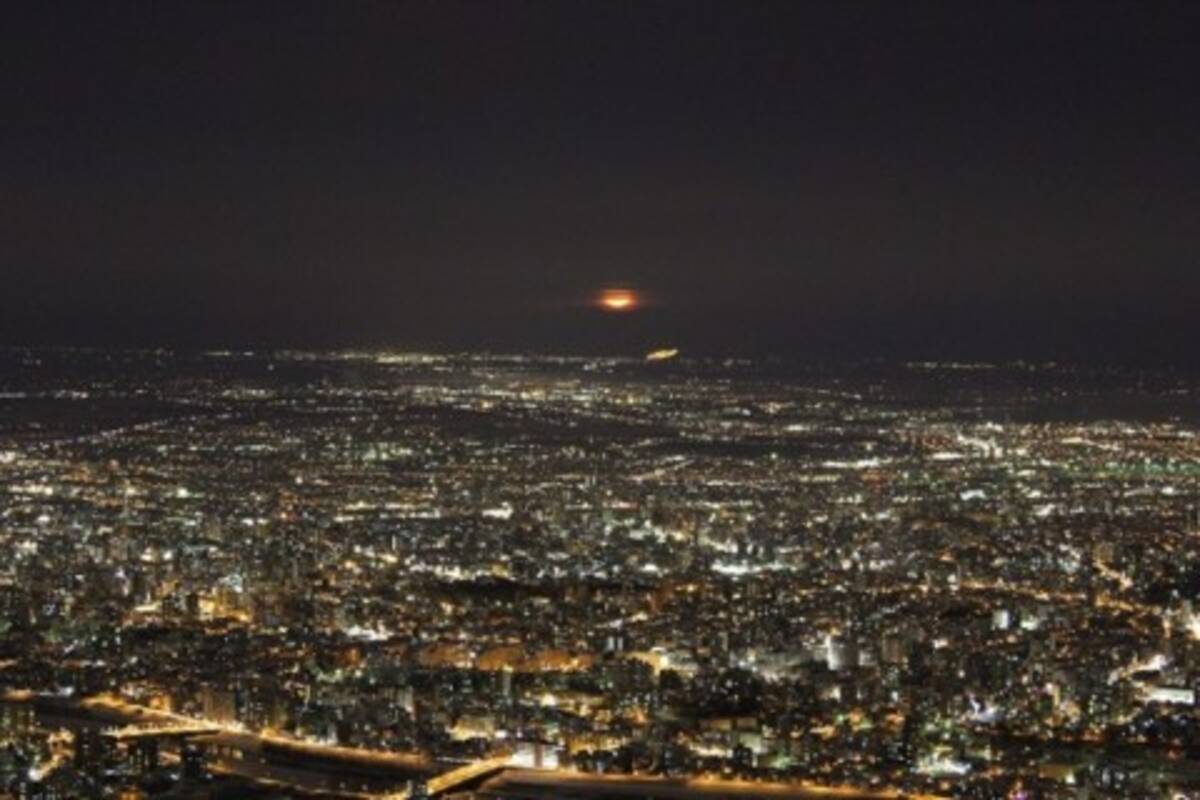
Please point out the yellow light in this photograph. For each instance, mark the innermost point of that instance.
(662, 355)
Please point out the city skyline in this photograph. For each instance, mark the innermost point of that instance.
(599, 399)
(485, 577)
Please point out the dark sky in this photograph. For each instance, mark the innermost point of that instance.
(815, 179)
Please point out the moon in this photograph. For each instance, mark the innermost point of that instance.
(618, 300)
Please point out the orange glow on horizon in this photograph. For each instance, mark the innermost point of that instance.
(618, 300)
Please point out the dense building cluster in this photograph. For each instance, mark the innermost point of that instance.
(956, 579)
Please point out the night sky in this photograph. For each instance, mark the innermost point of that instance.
(816, 180)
